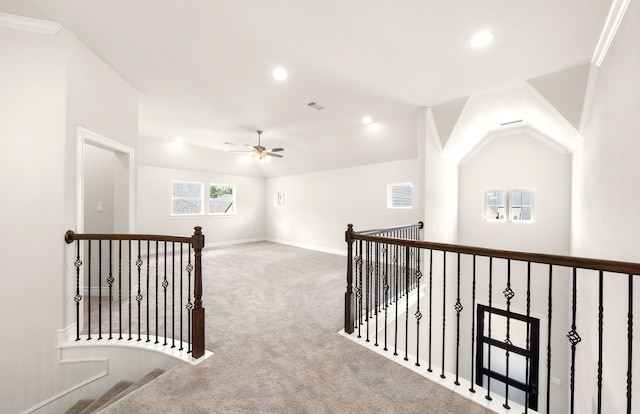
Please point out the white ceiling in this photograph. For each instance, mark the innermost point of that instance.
(203, 67)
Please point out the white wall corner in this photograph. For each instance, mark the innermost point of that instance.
(616, 13)
(431, 129)
(588, 98)
(12, 21)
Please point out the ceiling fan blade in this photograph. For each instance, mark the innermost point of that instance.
(274, 155)
(244, 151)
(230, 143)
(275, 149)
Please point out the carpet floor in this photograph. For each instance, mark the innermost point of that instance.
(273, 313)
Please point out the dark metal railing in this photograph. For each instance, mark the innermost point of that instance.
(159, 270)
(377, 257)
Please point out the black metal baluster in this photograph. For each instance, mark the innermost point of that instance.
(458, 307)
(377, 287)
(78, 296)
(130, 288)
(181, 294)
(430, 304)
(89, 290)
(473, 323)
(100, 290)
(549, 308)
(406, 324)
(120, 288)
(139, 264)
(173, 294)
(157, 300)
(488, 396)
(367, 287)
(508, 294)
(397, 282)
(110, 281)
(418, 313)
(629, 344)
(148, 279)
(386, 293)
(165, 284)
(189, 304)
(574, 339)
(528, 358)
(600, 335)
(444, 307)
(359, 288)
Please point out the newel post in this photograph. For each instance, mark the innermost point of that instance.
(349, 303)
(197, 315)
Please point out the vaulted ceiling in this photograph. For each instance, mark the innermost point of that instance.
(203, 68)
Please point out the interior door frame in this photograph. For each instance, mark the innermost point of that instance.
(87, 137)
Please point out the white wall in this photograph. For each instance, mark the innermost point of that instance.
(50, 84)
(318, 206)
(154, 206)
(605, 212)
(32, 162)
(515, 162)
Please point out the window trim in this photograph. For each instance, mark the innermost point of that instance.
(201, 213)
(233, 204)
(508, 206)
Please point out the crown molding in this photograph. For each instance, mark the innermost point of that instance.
(616, 12)
(12, 21)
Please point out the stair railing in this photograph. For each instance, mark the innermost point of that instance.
(122, 280)
(484, 285)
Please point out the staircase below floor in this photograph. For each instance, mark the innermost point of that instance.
(115, 393)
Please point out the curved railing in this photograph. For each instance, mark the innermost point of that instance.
(136, 287)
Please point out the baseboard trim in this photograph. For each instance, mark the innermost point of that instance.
(317, 248)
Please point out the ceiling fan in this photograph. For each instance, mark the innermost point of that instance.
(258, 152)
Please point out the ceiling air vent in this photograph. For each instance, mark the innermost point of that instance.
(511, 122)
(315, 105)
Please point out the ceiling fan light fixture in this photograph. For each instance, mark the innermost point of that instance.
(367, 120)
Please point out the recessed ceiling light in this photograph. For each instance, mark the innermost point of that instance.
(180, 140)
(481, 39)
(280, 74)
(367, 120)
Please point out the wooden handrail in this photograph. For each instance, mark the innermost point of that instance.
(418, 225)
(196, 241)
(558, 260)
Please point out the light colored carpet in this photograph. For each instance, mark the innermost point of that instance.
(273, 313)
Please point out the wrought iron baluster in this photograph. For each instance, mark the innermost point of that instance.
(359, 288)
(397, 282)
(173, 294)
(549, 309)
(377, 287)
(89, 290)
(574, 339)
(406, 314)
(156, 342)
(528, 343)
(600, 335)
(99, 289)
(130, 288)
(139, 298)
(458, 307)
(508, 294)
(386, 294)
(148, 279)
(418, 313)
(120, 288)
(165, 284)
(110, 281)
(488, 396)
(430, 304)
(629, 344)
(444, 307)
(367, 287)
(473, 323)
(181, 293)
(78, 296)
(189, 304)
